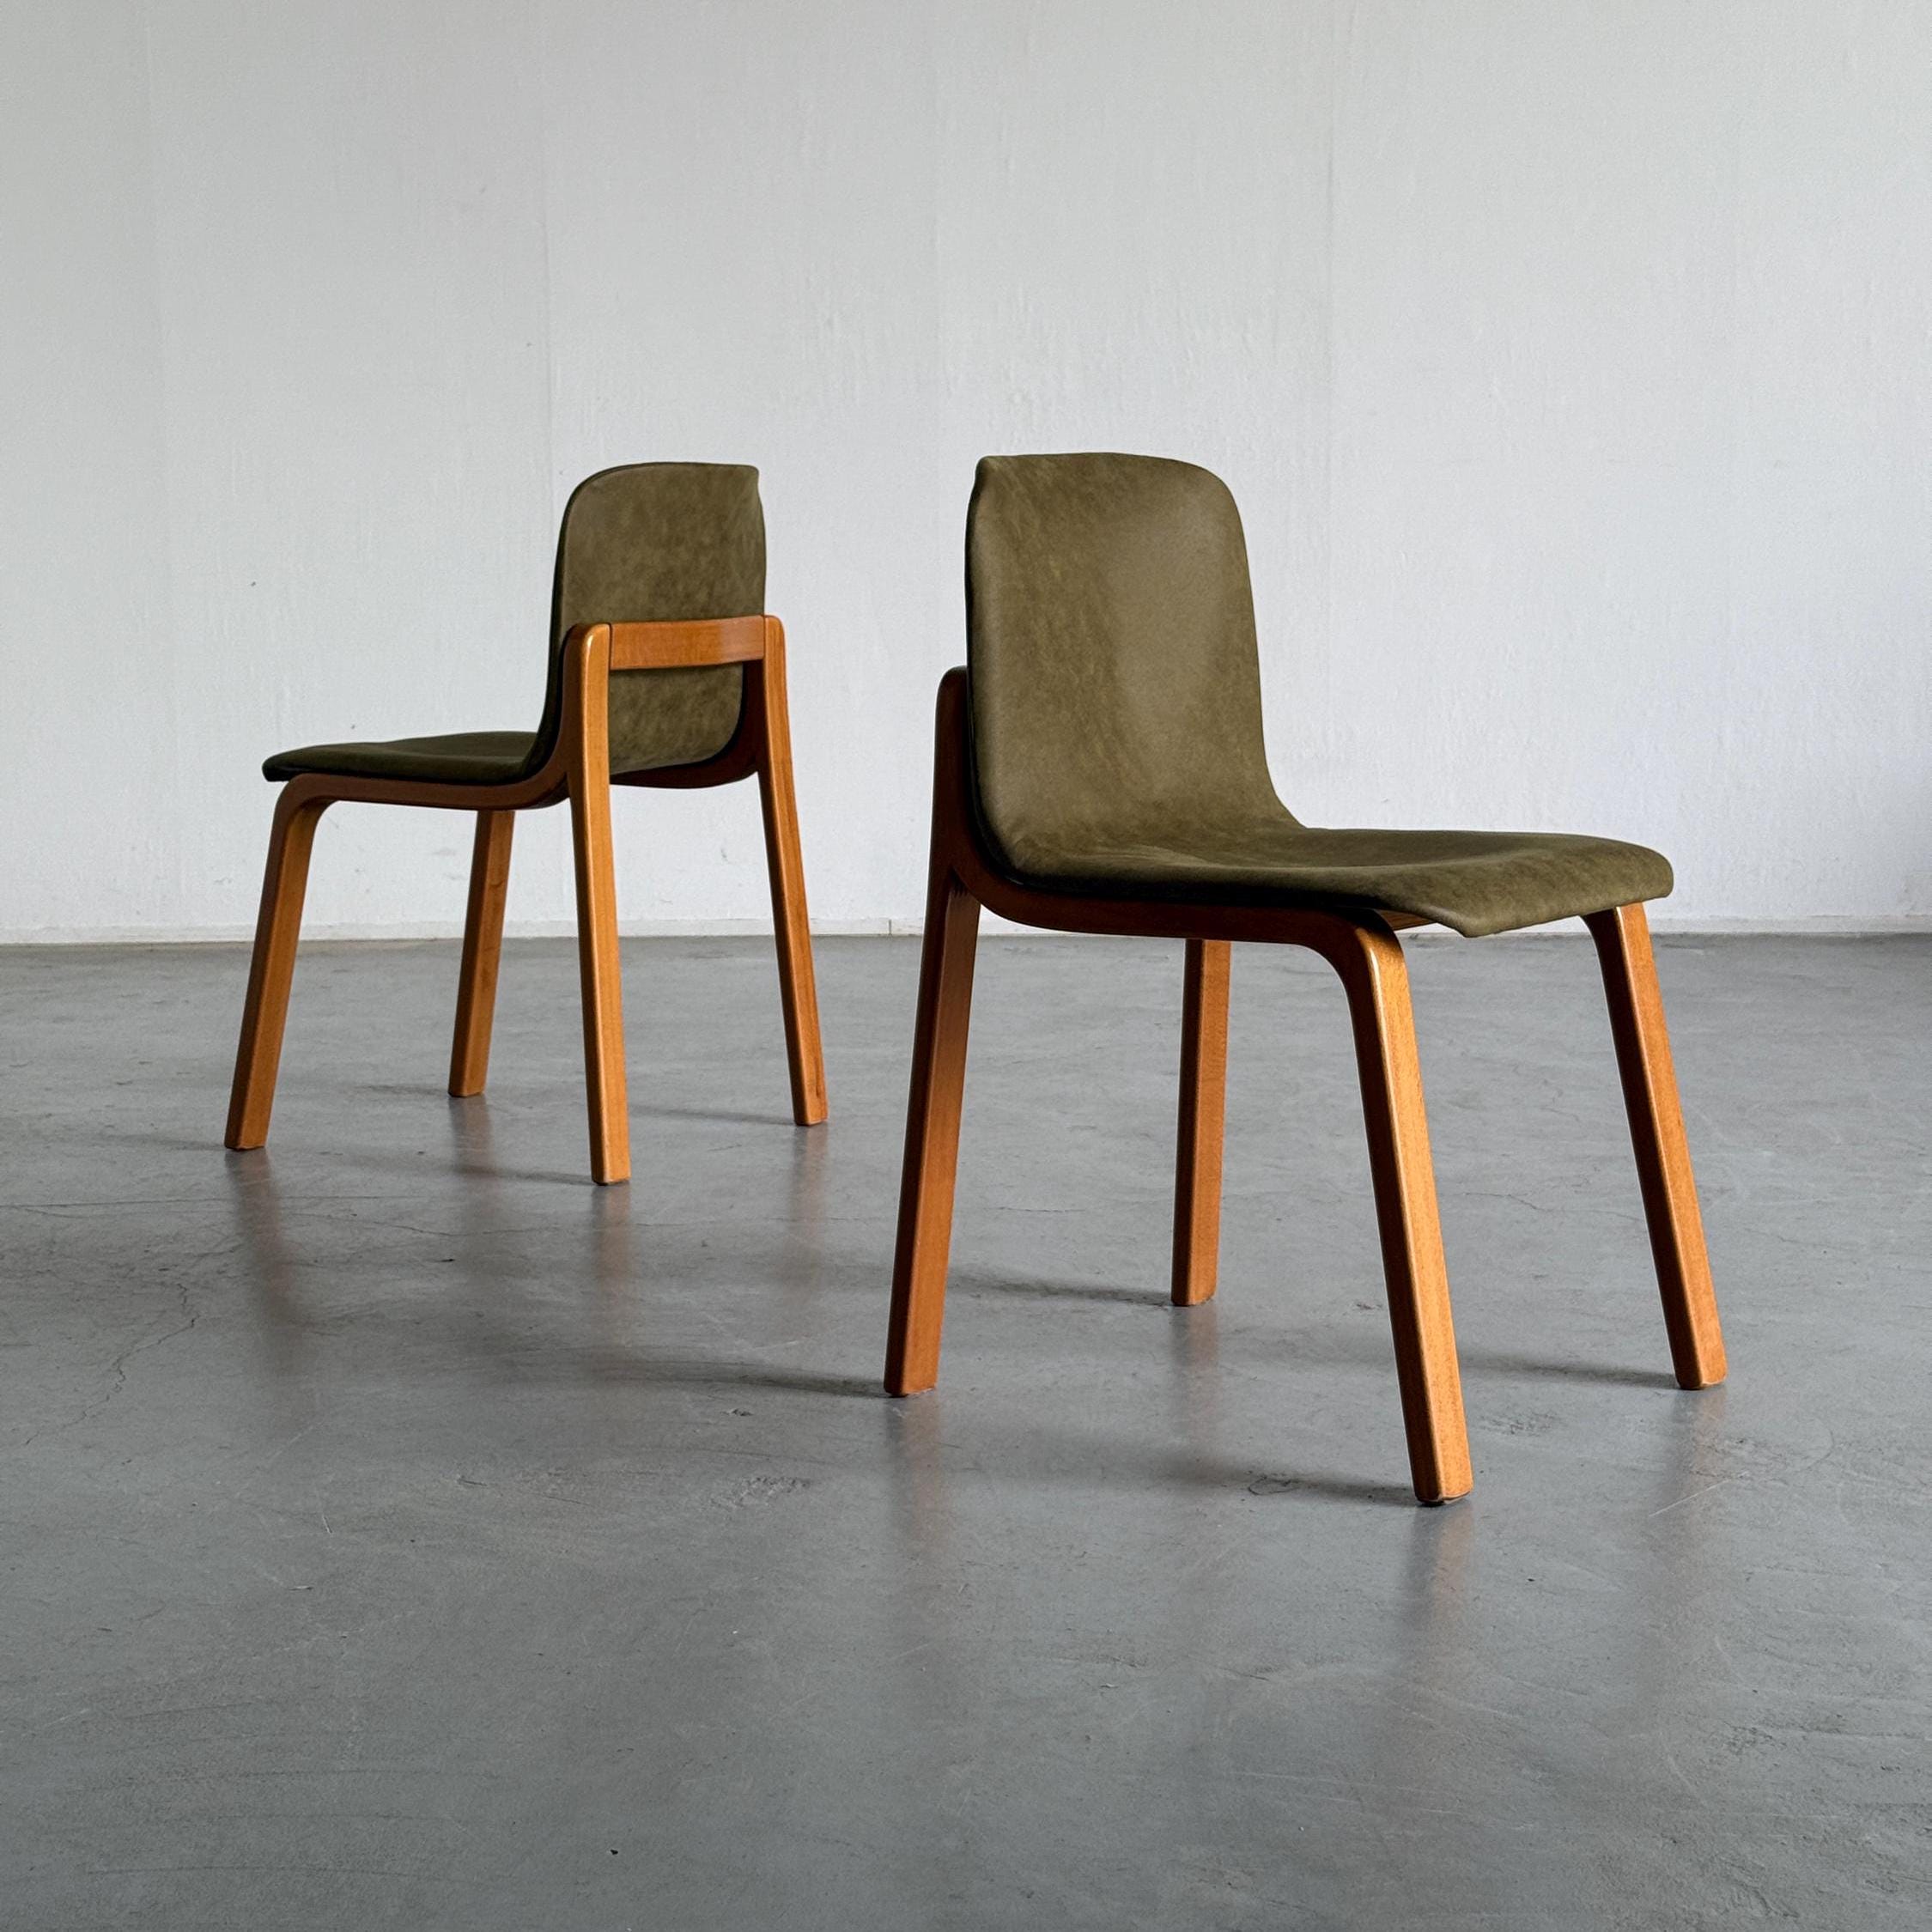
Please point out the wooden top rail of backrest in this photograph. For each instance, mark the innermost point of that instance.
(691, 641)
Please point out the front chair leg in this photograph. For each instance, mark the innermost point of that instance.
(925, 1186)
(271, 968)
(1369, 960)
(1663, 1155)
(482, 945)
(1204, 1101)
(797, 985)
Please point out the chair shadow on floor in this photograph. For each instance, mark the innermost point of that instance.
(470, 1131)
(620, 1367)
(469, 1161)
(639, 1110)
(1114, 1461)
(277, 1266)
(1322, 1347)
(1034, 1455)
(508, 1351)
(973, 1278)
(1044, 1456)
(1483, 1361)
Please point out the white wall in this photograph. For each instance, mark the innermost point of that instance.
(1571, 359)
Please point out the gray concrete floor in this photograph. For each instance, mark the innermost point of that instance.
(397, 1531)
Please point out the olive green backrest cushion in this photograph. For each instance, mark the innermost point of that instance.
(648, 544)
(1117, 690)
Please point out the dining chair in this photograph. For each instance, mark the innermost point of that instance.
(1099, 767)
(664, 670)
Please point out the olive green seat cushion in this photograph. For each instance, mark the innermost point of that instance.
(649, 543)
(460, 758)
(1116, 721)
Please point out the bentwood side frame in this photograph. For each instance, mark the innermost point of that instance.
(577, 771)
(1317, 889)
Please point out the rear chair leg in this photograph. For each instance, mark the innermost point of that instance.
(1203, 1095)
(272, 968)
(599, 970)
(1663, 1156)
(482, 945)
(925, 1186)
(796, 984)
(1369, 960)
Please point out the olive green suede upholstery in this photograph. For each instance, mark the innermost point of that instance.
(1116, 721)
(458, 758)
(649, 543)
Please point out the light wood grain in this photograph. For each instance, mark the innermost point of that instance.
(1375, 976)
(1663, 1153)
(797, 984)
(689, 643)
(482, 949)
(1203, 1112)
(271, 967)
(586, 749)
(932, 1109)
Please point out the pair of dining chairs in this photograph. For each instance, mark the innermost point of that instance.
(1098, 767)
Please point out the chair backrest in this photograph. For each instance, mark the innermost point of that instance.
(1117, 690)
(648, 544)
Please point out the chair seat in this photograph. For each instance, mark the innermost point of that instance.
(1476, 883)
(457, 758)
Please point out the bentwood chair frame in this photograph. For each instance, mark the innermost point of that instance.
(578, 770)
(1362, 945)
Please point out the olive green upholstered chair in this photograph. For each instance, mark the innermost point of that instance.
(664, 670)
(1099, 767)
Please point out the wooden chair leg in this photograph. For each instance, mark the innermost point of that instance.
(600, 971)
(585, 737)
(798, 985)
(1369, 960)
(271, 970)
(1204, 1096)
(1663, 1155)
(482, 945)
(925, 1186)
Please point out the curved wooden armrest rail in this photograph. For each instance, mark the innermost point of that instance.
(578, 769)
(1361, 946)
